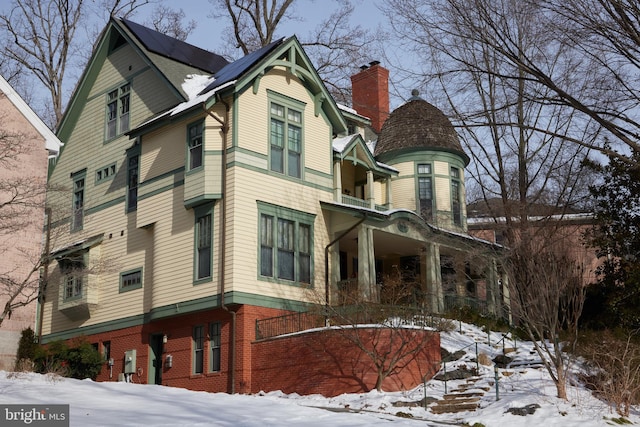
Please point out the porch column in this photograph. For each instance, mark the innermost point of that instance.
(461, 280)
(366, 264)
(371, 198)
(505, 301)
(337, 181)
(334, 271)
(493, 293)
(389, 192)
(434, 278)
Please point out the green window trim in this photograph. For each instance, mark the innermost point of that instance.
(133, 177)
(203, 244)
(197, 361)
(424, 190)
(118, 111)
(215, 346)
(456, 196)
(286, 135)
(105, 173)
(195, 146)
(77, 207)
(130, 280)
(285, 245)
(74, 277)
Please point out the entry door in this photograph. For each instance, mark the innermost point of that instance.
(155, 359)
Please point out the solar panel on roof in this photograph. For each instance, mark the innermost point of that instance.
(176, 49)
(240, 66)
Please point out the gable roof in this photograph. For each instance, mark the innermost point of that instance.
(353, 147)
(176, 50)
(172, 59)
(52, 143)
(169, 58)
(247, 72)
(237, 68)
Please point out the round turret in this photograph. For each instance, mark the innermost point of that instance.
(418, 124)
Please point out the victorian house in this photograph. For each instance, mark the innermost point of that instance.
(207, 196)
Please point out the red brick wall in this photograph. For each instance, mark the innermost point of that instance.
(315, 362)
(179, 331)
(328, 362)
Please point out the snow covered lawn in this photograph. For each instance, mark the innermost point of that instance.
(126, 404)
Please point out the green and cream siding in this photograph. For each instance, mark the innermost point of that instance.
(444, 172)
(151, 222)
(159, 236)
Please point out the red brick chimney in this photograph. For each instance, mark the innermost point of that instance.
(370, 93)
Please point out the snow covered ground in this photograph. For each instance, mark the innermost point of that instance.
(126, 404)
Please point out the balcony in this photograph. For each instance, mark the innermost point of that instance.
(81, 305)
(361, 203)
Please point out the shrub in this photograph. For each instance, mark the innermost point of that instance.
(613, 364)
(27, 348)
(80, 360)
(471, 315)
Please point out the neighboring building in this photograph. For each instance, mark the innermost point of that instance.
(208, 197)
(21, 247)
(563, 228)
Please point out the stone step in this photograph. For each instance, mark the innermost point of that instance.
(452, 400)
(454, 395)
(454, 407)
(466, 387)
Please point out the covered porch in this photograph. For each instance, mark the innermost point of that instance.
(394, 257)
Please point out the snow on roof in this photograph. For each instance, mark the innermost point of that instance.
(347, 109)
(192, 85)
(198, 99)
(340, 143)
(503, 220)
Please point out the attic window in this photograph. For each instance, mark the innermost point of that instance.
(116, 41)
(118, 104)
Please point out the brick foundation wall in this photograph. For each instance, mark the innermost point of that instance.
(179, 332)
(329, 363)
(325, 362)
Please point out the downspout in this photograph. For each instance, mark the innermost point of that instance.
(326, 263)
(223, 220)
(45, 272)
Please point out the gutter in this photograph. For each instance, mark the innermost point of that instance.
(223, 220)
(45, 273)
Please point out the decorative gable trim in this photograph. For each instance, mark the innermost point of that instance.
(353, 148)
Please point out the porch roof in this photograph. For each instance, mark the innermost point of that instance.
(376, 216)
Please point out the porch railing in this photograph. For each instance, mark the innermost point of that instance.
(343, 315)
(354, 201)
(456, 301)
(361, 203)
(287, 324)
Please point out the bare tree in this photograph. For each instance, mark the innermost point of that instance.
(336, 46)
(41, 37)
(547, 296)
(389, 336)
(254, 22)
(523, 151)
(171, 22)
(527, 151)
(22, 199)
(595, 75)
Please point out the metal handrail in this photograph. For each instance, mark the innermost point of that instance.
(342, 315)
